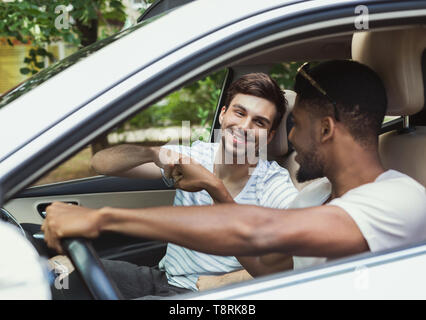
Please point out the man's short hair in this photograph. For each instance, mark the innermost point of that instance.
(358, 92)
(263, 86)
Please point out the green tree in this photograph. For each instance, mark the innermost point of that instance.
(195, 103)
(41, 22)
(284, 74)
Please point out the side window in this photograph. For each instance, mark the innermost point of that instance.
(184, 114)
(285, 72)
(390, 118)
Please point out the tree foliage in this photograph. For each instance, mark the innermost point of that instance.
(41, 22)
(195, 103)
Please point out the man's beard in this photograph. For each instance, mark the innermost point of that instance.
(311, 166)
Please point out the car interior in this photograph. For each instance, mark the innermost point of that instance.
(397, 55)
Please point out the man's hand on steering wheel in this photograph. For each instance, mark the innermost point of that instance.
(67, 221)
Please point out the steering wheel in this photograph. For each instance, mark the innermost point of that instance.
(85, 260)
(90, 268)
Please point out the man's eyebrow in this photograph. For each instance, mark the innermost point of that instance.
(257, 117)
(239, 106)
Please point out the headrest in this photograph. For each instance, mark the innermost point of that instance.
(396, 56)
(278, 147)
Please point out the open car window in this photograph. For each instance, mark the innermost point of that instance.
(186, 113)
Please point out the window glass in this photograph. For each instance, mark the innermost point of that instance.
(285, 73)
(390, 118)
(184, 114)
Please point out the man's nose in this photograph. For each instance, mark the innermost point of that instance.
(245, 124)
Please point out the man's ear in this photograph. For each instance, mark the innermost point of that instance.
(328, 127)
(221, 115)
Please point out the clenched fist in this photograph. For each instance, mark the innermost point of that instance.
(64, 221)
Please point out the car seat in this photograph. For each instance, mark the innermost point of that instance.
(398, 57)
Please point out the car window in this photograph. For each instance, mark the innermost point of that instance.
(390, 118)
(186, 113)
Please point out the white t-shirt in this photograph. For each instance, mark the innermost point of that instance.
(390, 212)
(22, 273)
(269, 185)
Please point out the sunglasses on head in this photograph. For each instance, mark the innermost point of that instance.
(303, 71)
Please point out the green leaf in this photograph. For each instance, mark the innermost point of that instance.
(24, 70)
(50, 55)
(41, 52)
(40, 65)
(9, 42)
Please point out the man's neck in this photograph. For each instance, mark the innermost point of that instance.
(353, 170)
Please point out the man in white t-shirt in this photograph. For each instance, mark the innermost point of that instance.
(214, 173)
(337, 118)
(378, 214)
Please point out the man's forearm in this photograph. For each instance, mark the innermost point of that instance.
(210, 223)
(122, 158)
(223, 229)
(218, 191)
(210, 282)
(236, 276)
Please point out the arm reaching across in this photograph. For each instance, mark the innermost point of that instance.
(134, 161)
(236, 230)
(212, 282)
(254, 267)
(189, 175)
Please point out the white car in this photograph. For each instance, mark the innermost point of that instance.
(56, 113)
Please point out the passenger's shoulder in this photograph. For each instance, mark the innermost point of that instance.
(398, 180)
(272, 169)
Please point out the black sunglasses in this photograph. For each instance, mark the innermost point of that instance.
(303, 71)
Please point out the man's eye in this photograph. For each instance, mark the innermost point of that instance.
(260, 123)
(239, 113)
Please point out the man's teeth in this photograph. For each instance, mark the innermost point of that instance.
(239, 137)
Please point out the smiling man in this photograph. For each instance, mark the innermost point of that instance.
(359, 206)
(232, 170)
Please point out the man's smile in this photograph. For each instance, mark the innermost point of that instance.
(239, 137)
